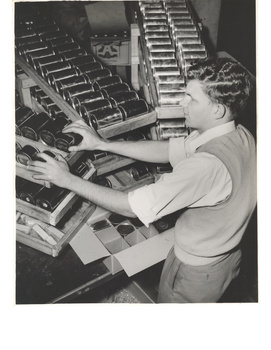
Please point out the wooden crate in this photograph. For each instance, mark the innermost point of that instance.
(70, 227)
(54, 217)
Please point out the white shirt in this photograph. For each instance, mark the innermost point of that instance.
(197, 179)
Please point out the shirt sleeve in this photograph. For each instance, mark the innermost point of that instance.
(191, 181)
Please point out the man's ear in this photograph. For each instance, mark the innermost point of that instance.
(221, 111)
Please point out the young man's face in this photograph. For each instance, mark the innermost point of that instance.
(198, 108)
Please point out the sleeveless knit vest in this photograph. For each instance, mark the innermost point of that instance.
(215, 230)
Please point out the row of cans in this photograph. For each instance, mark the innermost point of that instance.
(78, 78)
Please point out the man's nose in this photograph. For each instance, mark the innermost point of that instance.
(185, 101)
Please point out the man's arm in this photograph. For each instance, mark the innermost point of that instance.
(52, 170)
(147, 151)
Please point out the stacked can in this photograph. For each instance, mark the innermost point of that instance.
(169, 80)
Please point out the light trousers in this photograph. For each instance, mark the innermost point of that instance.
(181, 283)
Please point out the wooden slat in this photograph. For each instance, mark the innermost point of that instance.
(110, 163)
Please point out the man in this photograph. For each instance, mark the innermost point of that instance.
(213, 181)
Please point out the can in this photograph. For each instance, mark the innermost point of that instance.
(60, 41)
(30, 56)
(116, 219)
(39, 95)
(124, 98)
(181, 21)
(26, 153)
(54, 67)
(76, 90)
(21, 116)
(156, 10)
(93, 76)
(139, 171)
(26, 41)
(158, 41)
(54, 111)
(34, 125)
(115, 90)
(39, 62)
(19, 183)
(25, 33)
(103, 118)
(56, 34)
(48, 133)
(154, 22)
(66, 83)
(158, 34)
(187, 55)
(82, 60)
(161, 48)
(171, 98)
(187, 40)
(170, 79)
(27, 48)
(67, 47)
(50, 198)
(64, 141)
(165, 71)
(161, 55)
(125, 229)
(156, 28)
(97, 155)
(79, 168)
(87, 97)
(89, 67)
(155, 16)
(103, 181)
(63, 74)
(105, 82)
(87, 109)
(134, 108)
(74, 53)
(164, 62)
(170, 87)
(29, 192)
(41, 30)
(135, 135)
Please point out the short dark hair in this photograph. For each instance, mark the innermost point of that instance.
(224, 80)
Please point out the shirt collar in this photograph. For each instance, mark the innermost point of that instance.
(199, 139)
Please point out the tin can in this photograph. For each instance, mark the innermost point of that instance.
(156, 28)
(54, 111)
(89, 67)
(125, 229)
(105, 82)
(161, 55)
(154, 22)
(156, 10)
(82, 60)
(41, 30)
(27, 48)
(21, 116)
(134, 108)
(63, 74)
(160, 34)
(56, 34)
(26, 153)
(164, 62)
(93, 76)
(185, 34)
(103, 118)
(26, 41)
(135, 135)
(64, 141)
(29, 192)
(46, 103)
(155, 16)
(158, 41)
(67, 47)
(26, 33)
(97, 155)
(170, 87)
(87, 97)
(115, 90)
(170, 79)
(187, 40)
(74, 53)
(18, 147)
(116, 219)
(53, 67)
(171, 98)
(165, 71)
(76, 90)
(63, 84)
(124, 98)
(48, 133)
(161, 49)
(60, 41)
(139, 171)
(39, 95)
(87, 109)
(19, 183)
(39, 62)
(30, 56)
(34, 125)
(50, 198)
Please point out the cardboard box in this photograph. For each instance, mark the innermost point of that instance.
(132, 252)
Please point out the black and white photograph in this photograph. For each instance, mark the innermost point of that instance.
(135, 180)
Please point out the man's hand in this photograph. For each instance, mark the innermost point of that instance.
(55, 171)
(91, 141)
